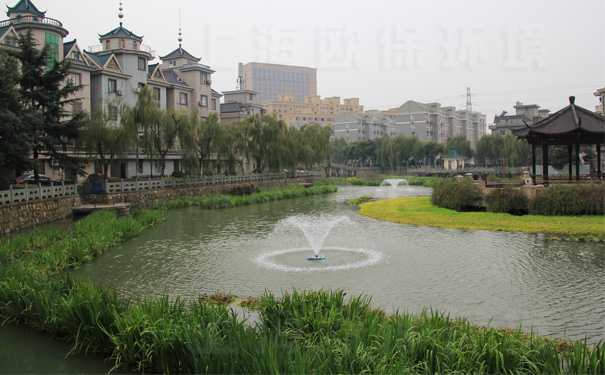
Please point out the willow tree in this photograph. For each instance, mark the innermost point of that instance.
(317, 137)
(205, 138)
(140, 119)
(461, 144)
(164, 135)
(105, 138)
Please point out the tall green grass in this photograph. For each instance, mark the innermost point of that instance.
(580, 199)
(221, 201)
(455, 195)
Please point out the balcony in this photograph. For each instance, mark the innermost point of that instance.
(25, 19)
(141, 47)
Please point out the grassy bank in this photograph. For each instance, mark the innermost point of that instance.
(220, 201)
(420, 211)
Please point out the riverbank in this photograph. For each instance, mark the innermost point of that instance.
(420, 211)
(298, 332)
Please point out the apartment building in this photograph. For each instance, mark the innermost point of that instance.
(358, 127)
(113, 72)
(432, 122)
(524, 114)
(600, 93)
(312, 110)
(273, 80)
(239, 105)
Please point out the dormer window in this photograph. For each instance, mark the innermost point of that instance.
(107, 44)
(121, 43)
(75, 55)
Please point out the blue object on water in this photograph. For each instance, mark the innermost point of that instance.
(316, 257)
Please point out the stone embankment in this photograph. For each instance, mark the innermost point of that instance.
(19, 216)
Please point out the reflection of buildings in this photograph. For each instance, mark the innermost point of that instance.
(273, 80)
(525, 114)
(113, 73)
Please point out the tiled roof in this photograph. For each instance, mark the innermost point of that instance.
(570, 119)
(180, 52)
(512, 117)
(98, 59)
(67, 47)
(231, 107)
(3, 30)
(121, 31)
(215, 93)
(454, 154)
(25, 6)
(173, 78)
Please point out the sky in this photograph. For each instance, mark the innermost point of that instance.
(382, 52)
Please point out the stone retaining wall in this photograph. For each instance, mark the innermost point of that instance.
(18, 216)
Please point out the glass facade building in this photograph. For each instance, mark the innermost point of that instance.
(273, 80)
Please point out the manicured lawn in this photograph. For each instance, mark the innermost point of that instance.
(420, 211)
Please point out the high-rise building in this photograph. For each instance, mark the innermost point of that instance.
(273, 80)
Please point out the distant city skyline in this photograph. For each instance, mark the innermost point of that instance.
(538, 52)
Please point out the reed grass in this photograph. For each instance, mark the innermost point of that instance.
(222, 201)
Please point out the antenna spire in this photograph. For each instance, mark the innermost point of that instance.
(121, 14)
(180, 33)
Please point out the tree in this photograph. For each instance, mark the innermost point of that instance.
(105, 139)
(490, 149)
(318, 139)
(362, 151)
(206, 137)
(140, 119)
(15, 140)
(461, 144)
(44, 100)
(432, 149)
(163, 134)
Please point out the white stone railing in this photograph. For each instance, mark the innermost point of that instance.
(171, 182)
(39, 192)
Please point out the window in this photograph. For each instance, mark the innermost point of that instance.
(113, 112)
(204, 78)
(112, 85)
(75, 55)
(107, 44)
(142, 63)
(203, 100)
(183, 98)
(140, 166)
(75, 79)
(213, 104)
(121, 43)
(173, 63)
(251, 97)
(156, 93)
(52, 41)
(135, 45)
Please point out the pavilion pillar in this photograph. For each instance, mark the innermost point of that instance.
(599, 161)
(533, 161)
(577, 160)
(569, 151)
(545, 162)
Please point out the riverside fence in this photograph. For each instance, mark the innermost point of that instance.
(25, 194)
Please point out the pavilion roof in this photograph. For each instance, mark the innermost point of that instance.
(454, 154)
(561, 126)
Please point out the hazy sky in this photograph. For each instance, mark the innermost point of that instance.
(383, 52)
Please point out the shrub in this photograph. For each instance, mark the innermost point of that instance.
(455, 195)
(178, 174)
(507, 200)
(207, 172)
(584, 199)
